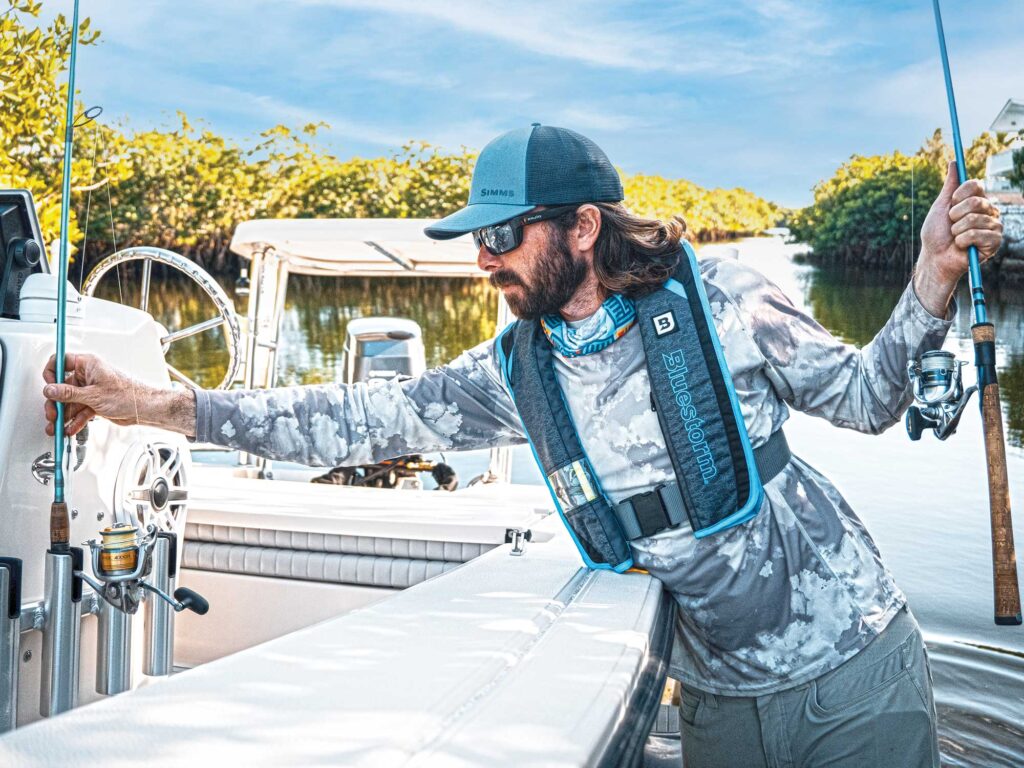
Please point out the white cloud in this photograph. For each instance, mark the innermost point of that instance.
(586, 118)
(576, 31)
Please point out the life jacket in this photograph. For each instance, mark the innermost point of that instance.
(719, 477)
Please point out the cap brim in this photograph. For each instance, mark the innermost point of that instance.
(473, 217)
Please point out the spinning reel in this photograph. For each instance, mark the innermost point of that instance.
(939, 394)
(121, 563)
(150, 495)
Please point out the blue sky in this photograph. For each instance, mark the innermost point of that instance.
(770, 95)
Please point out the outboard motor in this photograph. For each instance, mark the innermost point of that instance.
(118, 480)
(382, 347)
(387, 348)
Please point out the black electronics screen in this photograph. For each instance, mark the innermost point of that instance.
(21, 247)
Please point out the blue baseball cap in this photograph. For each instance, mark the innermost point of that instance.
(521, 169)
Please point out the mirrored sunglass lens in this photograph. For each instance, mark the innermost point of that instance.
(477, 242)
(499, 238)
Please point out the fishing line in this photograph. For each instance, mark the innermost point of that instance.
(88, 201)
(120, 293)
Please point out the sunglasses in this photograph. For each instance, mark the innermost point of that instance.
(503, 238)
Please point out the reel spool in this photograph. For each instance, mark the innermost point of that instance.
(939, 395)
(119, 550)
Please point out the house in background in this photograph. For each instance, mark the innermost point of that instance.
(1008, 199)
(1010, 121)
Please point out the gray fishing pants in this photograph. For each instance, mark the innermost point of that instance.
(874, 711)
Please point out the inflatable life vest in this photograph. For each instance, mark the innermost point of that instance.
(719, 476)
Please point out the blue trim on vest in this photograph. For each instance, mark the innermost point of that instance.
(676, 287)
(505, 362)
(755, 496)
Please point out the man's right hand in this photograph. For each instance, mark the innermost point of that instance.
(93, 388)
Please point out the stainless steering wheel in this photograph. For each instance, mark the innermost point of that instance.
(225, 319)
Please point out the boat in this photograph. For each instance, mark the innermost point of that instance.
(346, 625)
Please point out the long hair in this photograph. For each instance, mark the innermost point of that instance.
(633, 255)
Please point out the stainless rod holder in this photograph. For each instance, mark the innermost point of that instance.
(158, 658)
(61, 633)
(113, 651)
(10, 641)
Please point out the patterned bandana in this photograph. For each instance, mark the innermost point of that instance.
(614, 317)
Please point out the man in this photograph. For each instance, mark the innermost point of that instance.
(794, 645)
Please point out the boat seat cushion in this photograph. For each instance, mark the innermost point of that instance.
(364, 570)
(334, 558)
(343, 544)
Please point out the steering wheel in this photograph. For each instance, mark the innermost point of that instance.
(225, 318)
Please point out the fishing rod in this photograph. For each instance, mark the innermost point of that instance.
(1004, 563)
(59, 521)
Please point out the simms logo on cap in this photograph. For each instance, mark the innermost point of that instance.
(497, 193)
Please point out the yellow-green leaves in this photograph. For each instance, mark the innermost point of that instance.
(870, 212)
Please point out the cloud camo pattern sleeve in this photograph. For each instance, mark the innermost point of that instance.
(863, 389)
(459, 406)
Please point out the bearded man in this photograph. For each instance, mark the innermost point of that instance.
(793, 643)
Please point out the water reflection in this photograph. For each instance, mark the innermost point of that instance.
(455, 314)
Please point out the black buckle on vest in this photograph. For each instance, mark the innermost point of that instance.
(650, 512)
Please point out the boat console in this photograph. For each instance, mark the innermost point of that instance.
(62, 641)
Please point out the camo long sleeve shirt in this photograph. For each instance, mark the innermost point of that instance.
(763, 606)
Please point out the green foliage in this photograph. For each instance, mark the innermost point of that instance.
(870, 212)
(866, 213)
(981, 149)
(420, 181)
(32, 107)
(709, 213)
(1016, 176)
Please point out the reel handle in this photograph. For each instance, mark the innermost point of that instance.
(192, 600)
(915, 423)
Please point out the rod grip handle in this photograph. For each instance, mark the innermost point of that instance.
(1004, 559)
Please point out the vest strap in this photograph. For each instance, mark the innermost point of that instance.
(651, 512)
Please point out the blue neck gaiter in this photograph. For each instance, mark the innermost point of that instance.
(614, 317)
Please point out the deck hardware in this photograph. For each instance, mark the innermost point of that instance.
(158, 654)
(61, 632)
(42, 468)
(10, 640)
(517, 537)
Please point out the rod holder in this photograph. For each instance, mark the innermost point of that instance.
(113, 650)
(10, 641)
(158, 657)
(61, 633)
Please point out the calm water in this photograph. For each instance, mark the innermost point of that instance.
(925, 503)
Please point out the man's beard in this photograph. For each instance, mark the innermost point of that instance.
(556, 277)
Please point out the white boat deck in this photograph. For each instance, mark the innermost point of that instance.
(481, 514)
(506, 661)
